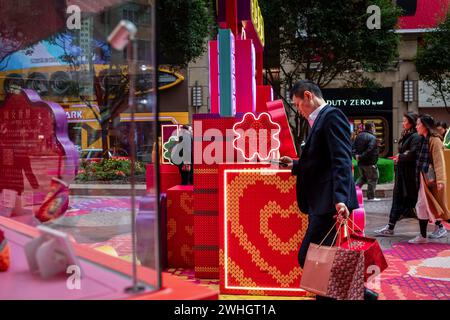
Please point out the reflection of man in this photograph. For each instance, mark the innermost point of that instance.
(324, 172)
(12, 167)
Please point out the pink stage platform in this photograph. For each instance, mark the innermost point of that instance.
(19, 283)
(105, 277)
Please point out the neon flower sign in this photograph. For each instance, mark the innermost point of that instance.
(257, 137)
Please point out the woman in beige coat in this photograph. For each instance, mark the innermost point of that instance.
(432, 200)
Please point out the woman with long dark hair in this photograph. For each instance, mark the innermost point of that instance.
(431, 176)
(405, 186)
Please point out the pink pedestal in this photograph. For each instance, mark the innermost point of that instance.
(359, 195)
(19, 283)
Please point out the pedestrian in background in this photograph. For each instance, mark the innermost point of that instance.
(430, 172)
(441, 128)
(405, 187)
(365, 151)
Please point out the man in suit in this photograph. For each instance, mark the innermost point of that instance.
(325, 186)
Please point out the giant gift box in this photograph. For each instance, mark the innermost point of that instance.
(206, 185)
(261, 231)
(180, 227)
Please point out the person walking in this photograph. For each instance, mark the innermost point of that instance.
(405, 186)
(325, 187)
(365, 151)
(441, 128)
(431, 176)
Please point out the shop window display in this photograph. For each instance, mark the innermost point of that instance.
(75, 146)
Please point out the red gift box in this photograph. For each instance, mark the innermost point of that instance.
(206, 184)
(278, 114)
(180, 227)
(261, 230)
(374, 260)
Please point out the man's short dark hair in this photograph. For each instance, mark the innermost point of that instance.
(301, 86)
(369, 126)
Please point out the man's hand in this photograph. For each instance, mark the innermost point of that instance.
(440, 186)
(288, 161)
(342, 212)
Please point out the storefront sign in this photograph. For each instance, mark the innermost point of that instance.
(249, 13)
(355, 102)
(258, 21)
(364, 105)
(74, 115)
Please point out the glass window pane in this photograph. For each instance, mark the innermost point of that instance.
(79, 162)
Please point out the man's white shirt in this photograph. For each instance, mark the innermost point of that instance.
(313, 116)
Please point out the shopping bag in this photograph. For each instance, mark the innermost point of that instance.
(317, 268)
(56, 202)
(4, 253)
(334, 272)
(374, 259)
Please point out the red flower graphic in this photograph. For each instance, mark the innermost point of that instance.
(256, 137)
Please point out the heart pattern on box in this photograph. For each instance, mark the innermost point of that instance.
(172, 228)
(272, 253)
(186, 203)
(285, 247)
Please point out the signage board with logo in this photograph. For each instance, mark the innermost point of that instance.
(366, 105)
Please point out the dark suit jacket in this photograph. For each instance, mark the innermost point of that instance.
(324, 171)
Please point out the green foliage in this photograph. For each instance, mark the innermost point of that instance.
(108, 170)
(327, 39)
(433, 60)
(184, 27)
(385, 167)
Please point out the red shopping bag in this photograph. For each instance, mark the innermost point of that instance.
(374, 260)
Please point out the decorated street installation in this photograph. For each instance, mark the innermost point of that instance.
(240, 221)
